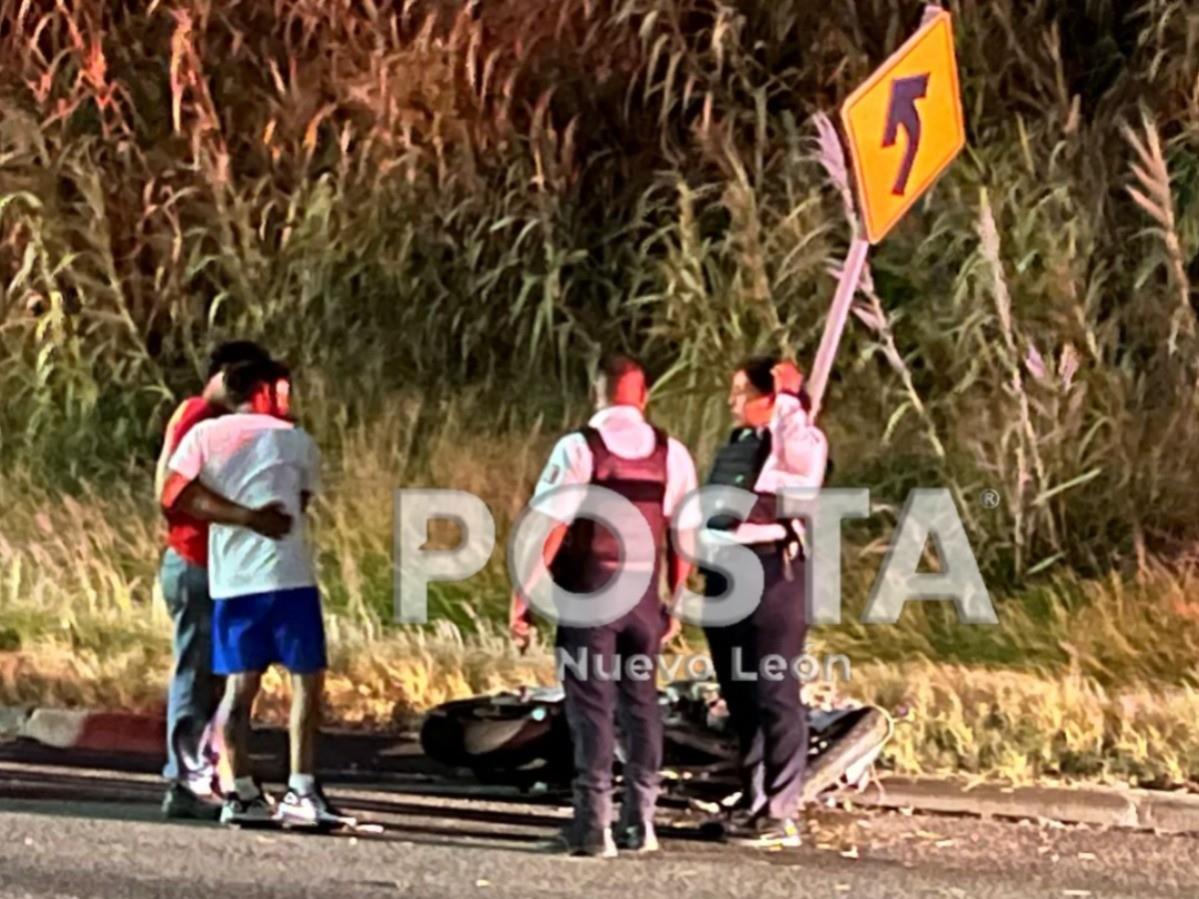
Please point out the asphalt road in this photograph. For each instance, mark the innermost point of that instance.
(66, 833)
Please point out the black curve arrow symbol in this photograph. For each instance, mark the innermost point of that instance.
(903, 113)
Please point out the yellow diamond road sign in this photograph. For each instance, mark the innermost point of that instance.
(905, 125)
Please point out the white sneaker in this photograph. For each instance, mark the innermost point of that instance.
(765, 832)
(310, 810)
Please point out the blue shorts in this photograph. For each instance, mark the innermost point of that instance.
(251, 633)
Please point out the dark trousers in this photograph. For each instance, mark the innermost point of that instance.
(601, 680)
(195, 691)
(766, 715)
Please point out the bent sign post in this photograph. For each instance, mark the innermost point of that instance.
(904, 126)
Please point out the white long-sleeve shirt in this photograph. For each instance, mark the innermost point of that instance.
(798, 458)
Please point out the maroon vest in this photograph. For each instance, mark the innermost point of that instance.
(591, 553)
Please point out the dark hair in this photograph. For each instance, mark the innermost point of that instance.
(759, 370)
(616, 367)
(243, 378)
(235, 352)
(613, 369)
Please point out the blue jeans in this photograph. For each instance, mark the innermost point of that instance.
(195, 691)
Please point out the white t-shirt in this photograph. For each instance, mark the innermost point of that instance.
(253, 460)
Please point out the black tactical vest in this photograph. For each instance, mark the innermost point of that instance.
(738, 464)
(590, 553)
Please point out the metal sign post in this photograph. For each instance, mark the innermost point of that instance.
(851, 276)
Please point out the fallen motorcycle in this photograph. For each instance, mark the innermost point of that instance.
(520, 738)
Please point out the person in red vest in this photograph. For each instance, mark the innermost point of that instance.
(195, 692)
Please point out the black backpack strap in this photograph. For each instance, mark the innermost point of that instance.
(763, 455)
(595, 443)
(661, 448)
(571, 556)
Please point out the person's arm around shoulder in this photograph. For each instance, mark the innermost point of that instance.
(183, 491)
(185, 417)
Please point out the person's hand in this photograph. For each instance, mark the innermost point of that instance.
(271, 521)
(520, 623)
(787, 378)
(674, 627)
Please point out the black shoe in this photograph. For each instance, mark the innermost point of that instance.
(596, 845)
(764, 832)
(599, 844)
(181, 803)
(258, 811)
(638, 838)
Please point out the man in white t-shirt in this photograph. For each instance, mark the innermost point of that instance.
(266, 606)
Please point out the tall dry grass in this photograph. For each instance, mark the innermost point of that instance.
(444, 195)
(1081, 679)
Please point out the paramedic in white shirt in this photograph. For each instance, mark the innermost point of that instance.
(620, 451)
(266, 606)
(772, 447)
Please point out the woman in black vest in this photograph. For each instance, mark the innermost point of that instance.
(773, 446)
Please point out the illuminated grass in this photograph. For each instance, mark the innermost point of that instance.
(1080, 680)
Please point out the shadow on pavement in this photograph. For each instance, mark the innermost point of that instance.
(345, 755)
(105, 793)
